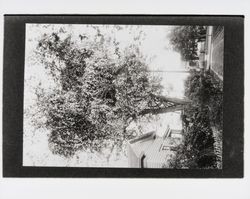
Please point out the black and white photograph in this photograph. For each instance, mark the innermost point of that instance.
(124, 99)
(123, 96)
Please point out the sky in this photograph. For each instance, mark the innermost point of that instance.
(154, 44)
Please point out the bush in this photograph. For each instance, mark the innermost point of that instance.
(205, 111)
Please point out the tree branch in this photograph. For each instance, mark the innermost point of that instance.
(172, 99)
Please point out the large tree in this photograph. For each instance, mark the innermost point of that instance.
(184, 40)
(98, 90)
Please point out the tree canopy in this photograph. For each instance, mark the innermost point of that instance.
(184, 40)
(99, 89)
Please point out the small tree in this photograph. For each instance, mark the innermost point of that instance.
(184, 40)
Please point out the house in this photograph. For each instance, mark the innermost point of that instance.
(202, 54)
(152, 151)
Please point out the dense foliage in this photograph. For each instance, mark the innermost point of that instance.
(205, 111)
(99, 89)
(184, 40)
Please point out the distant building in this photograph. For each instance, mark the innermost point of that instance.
(152, 151)
(202, 54)
(192, 65)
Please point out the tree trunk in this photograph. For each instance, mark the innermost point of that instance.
(161, 110)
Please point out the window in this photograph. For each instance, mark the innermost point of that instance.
(165, 148)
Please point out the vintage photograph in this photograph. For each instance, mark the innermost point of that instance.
(123, 96)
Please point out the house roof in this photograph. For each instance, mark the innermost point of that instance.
(157, 150)
(141, 143)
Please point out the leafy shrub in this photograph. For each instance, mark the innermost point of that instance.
(205, 111)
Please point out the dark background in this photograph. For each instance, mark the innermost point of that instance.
(13, 83)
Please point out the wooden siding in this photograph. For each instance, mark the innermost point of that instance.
(158, 154)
